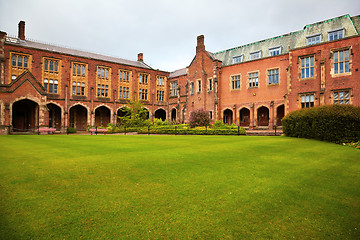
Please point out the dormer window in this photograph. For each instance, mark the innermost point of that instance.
(336, 34)
(314, 39)
(255, 55)
(275, 51)
(238, 59)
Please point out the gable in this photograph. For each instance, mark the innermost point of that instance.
(26, 82)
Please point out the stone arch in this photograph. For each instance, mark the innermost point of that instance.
(120, 113)
(263, 115)
(25, 115)
(244, 114)
(78, 116)
(228, 116)
(160, 113)
(146, 113)
(55, 111)
(102, 115)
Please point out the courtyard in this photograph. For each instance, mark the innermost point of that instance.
(177, 187)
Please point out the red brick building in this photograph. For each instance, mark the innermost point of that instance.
(257, 84)
(253, 85)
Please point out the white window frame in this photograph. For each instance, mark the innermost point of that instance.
(311, 40)
(255, 55)
(238, 59)
(273, 50)
(330, 33)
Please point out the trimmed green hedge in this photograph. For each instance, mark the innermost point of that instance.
(193, 131)
(71, 130)
(332, 123)
(181, 129)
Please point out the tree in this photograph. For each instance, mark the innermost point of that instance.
(199, 117)
(135, 115)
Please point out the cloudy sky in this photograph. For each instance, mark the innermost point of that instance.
(164, 30)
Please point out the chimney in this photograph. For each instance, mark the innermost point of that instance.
(140, 57)
(200, 43)
(21, 33)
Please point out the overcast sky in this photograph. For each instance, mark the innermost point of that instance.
(164, 30)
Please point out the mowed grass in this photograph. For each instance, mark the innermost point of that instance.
(177, 187)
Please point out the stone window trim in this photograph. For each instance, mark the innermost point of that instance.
(349, 97)
(160, 80)
(198, 86)
(102, 90)
(268, 71)
(332, 61)
(309, 102)
(143, 94)
(160, 96)
(103, 73)
(51, 86)
(51, 68)
(235, 84)
(299, 66)
(16, 67)
(124, 92)
(79, 69)
(125, 75)
(173, 88)
(144, 78)
(78, 88)
(210, 85)
(192, 88)
(253, 79)
(17, 54)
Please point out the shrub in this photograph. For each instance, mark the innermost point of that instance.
(192, 131)
(333, 123)
(71, 130)
(135, 115)
(199, 117)
(219, 124)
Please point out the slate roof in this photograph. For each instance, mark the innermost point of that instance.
(178, 73)
(74, 52)
(291, 40)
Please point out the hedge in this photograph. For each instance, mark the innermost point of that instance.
(332, 123)
(192, 131)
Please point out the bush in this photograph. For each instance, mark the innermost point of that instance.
(135, 115)
(183, 130)
(333, 123)
(199, 117)
(159, 122)
(71, 130)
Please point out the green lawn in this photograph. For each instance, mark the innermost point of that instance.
(177, 187)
